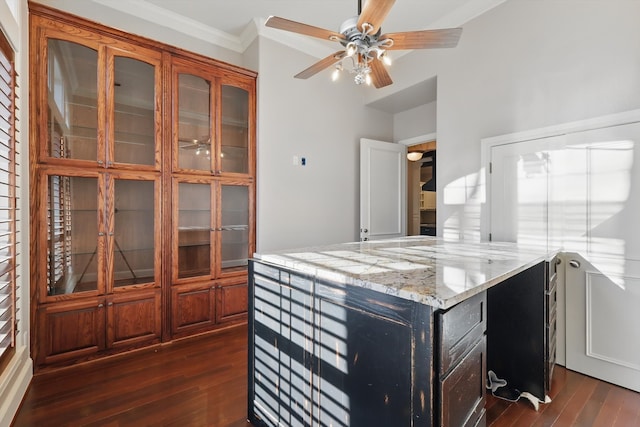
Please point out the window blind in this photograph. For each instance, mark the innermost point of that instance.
(8, 200)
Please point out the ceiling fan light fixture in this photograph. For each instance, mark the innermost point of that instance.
(336, 74)
(352, 48)
(360, 78)
(383, 56)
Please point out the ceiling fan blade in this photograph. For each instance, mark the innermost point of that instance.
(321, 65)
(426, 39)
(374, 12)
(307, 30)
(379, 75)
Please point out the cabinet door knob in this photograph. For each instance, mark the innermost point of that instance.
(100, 233)
(100, 305)
(110, 304)
(574, 263)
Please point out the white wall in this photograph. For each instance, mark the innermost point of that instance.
(417, 121)
(322, 121)
(520, 66)
(15, 377)
(525, 65)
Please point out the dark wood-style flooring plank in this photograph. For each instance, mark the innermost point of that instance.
(202, 381)
(577, 400)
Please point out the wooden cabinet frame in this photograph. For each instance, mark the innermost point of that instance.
(115, 318)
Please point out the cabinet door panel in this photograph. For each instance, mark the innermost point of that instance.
(74, 250)
(235, 129)
(134, 232)
(193, 225)
(70, 331)
(133, 319)
(72, 103)
(135, 110)
(235, 230)
(195, 98)
(193, 308)
(232, 302)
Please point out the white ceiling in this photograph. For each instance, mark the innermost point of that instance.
(233, 24)
(232, 16)
(229, 19)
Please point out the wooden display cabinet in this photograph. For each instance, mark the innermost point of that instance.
(142, 159)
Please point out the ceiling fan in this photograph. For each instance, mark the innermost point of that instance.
(364, 44)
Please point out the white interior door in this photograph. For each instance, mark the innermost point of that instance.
(603, 279)
(383, 193)
(579, 192)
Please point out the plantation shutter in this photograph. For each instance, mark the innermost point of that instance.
(8, 202)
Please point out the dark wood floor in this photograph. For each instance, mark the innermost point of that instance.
(202, 382)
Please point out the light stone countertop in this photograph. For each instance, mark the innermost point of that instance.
(429, 270)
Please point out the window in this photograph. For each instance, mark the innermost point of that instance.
(8, 202)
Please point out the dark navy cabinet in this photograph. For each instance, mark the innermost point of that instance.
(323, 353)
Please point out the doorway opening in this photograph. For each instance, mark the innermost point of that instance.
(421, 190)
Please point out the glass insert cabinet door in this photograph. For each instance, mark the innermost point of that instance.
(72, 100)
(135, 112)
(134, 220)
(88, 119)
(101, 233)
(214, 124)
(211, 242)
(194, 229)
(74, 253)
(195, 122)
(235, 130)
(234, 227)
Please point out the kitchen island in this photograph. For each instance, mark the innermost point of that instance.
(397, 332)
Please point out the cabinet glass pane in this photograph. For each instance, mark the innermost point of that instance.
(235, 226)
(235, 130)
(72, 100)
(194, 230)
(134, 123)
(72, 228)
(194, 123)
(133, 232)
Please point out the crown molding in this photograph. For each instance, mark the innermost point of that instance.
(166, 18)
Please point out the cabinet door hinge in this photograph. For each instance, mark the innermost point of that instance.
(490, 167)
(490, 238)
